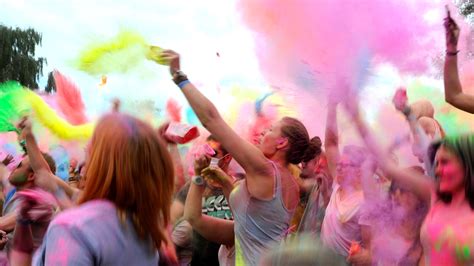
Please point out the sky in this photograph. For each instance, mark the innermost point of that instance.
(218, 52)
(198, 30)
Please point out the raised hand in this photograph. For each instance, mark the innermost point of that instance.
(200, 163)
(172, 59)
(400, 99)
(24, 124)
(162, 130)
(8, 160)
(215, 176)
(3, 239)
(351, 104)
(452, 33)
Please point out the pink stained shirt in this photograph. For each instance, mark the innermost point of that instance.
(447, 235)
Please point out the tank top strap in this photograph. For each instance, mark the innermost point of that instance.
(277, 189)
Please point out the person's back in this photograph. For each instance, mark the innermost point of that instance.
(93, 234)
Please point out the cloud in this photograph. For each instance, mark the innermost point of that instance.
(199, 30)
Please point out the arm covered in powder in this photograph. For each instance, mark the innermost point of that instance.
(452, 85)
(421, 184)
(331, 139)
(44, 177)
(259, 170)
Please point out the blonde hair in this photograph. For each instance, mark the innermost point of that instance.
(130, 166)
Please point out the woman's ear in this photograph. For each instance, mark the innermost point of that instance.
(282, 143)
(31, 176)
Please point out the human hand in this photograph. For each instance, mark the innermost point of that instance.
(358, 255)
(452, 32)
(172, 59)
(351, 105)
(8, 160)
(24, 126)
(215, 176)
(200, 163)
(162, 130)
(361, 257)
(3, 239)
(400, 99)
(155, 54)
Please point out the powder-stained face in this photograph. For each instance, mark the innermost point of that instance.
(20, 175)
(308, 169)
(346, 170)
(270, 140)
(449, 171)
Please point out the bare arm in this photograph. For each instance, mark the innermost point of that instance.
(43, 175)
(7, 222)
(331, 141)
(177, 211)
(249, 157)
(22, 250)
(452, 86)
(213, 229)
(178, 166)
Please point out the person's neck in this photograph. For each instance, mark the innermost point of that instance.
(459, 199)
(279, 159)
(25, 186)
(349, 188)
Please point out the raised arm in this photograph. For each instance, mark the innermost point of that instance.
(331, 140)
(180, 179)
(452, 86)
(248, 156)
(421, 184)
(213, 229)
(43, 175)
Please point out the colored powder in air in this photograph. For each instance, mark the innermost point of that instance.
(69, 99)
(334, 42)
(453, 121)
(173, 110)
(117, 55)
(12, 105)
(58, 126)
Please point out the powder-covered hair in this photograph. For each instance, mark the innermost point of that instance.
(129, 165)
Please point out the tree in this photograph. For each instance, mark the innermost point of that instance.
(51, 85)
(467, 8)
(17, 51)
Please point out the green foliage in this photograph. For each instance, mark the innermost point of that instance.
(51, 85)
(467, 8)
(17, 51)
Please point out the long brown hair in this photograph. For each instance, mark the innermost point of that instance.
(130, 166)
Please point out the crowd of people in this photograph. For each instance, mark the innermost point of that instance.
(292, 199)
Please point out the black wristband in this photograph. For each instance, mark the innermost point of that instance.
(448, 53)
(179, 77)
